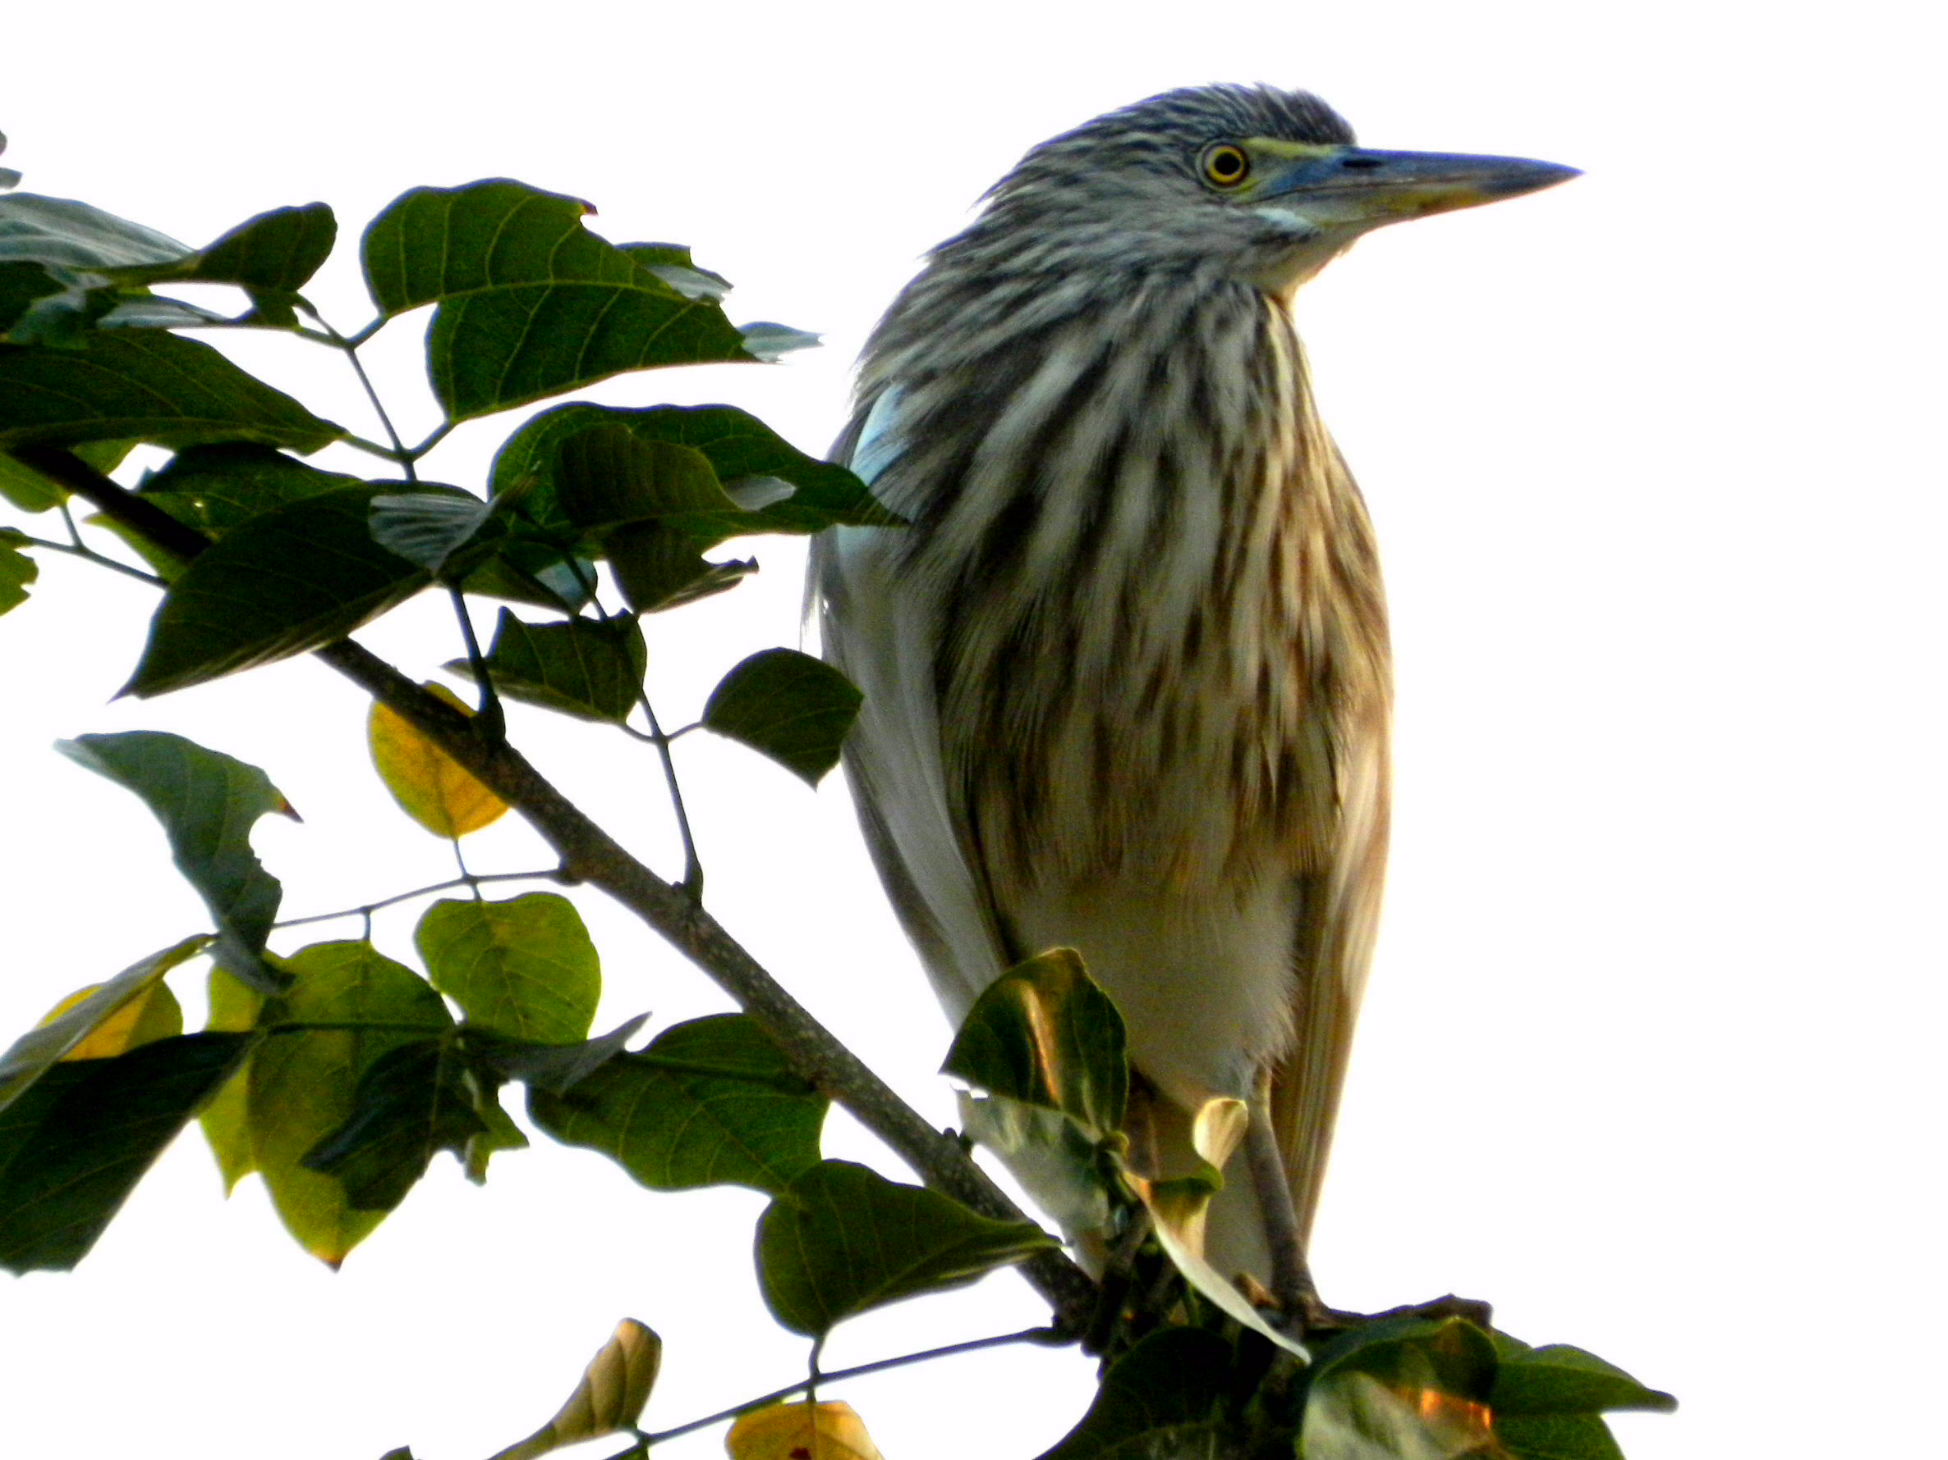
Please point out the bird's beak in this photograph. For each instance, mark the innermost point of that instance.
(1363, 187)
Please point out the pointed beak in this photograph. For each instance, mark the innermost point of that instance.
(1363, 187)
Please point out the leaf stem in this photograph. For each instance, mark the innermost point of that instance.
(553, 874)
(82, 550)
(440, 433)
(1050, 1336)
(492, 715)
(692, 866)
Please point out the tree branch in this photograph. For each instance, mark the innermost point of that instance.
(589, 854)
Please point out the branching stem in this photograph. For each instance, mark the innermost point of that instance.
(366, 910)
(1050, 1336)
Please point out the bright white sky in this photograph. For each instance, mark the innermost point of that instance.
(1652, 1055)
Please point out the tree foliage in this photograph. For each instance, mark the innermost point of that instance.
(338, 1075)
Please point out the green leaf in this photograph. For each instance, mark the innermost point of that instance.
(671, 262)
(304, 1082)
(431, 526)
(1045, 1033)
(411, 1102)
(145, 386)
(1401, 1389)
(234, 1007)
(525, 967)
(217, 488)
(207, 803)
(31, 491)
(1560, 1379)
(614, 1388)
(772, 342)
(36, 1052)
(272, 255)
(788, 706)
(530, 303)
(841, 1239)
(1164, 1397)
(710, 1102)
(17, 570)
(740, 448)
(63, 232)
(284, 582)
(589, 668)
(22, 285)
(1050, 1154)
(75, 1143)
(1556, 1437)
(551, 1067)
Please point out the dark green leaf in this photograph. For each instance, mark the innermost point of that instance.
(291, 579)
(1045, 1033)
(75, 1144)
(1556, 1437)
(272, 256)
(207, 803)
(22, 284)
(1163, 1397)
(841, 1239)
(37, 1051)
(348, 1006)
(671, 262)
(710, 1102)
(739, 447)
(145, 386)
(411, 1102)
(528, 569)
(500, 1133)
(788, 706)
(550, 1067)
(217, 488)
(657, 568)
(584, 667)
(530, 303)
(1560, 1379)
(17, 570)
(524, 967)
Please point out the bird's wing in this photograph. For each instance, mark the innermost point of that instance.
(880, 628)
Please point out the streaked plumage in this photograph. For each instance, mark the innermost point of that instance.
(1127, 678)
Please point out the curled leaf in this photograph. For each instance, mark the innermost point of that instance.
(615, 1386)
(430, 786)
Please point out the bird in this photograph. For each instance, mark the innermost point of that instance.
(1126, 672)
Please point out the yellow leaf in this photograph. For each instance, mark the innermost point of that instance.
(615, 1386)
(830, 1431)
(432, 787)
(151, 1015)
(1178, 1209)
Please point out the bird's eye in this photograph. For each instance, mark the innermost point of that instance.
(1225, 165)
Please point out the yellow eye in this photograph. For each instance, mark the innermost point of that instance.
(1225, 165)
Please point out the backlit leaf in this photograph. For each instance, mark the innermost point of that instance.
(234, 1007)
(841, 1239)
(828, 1430)
(525, 967)
(75, 1142)
(207, 803)
(430, 786)
(82, 1015)
(789, 706)
(615, 1386)
(1561, 1379)
(151, 1015)
(283, 582)
(304, 1082)
(17, 570)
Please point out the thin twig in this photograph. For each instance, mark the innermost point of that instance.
(366, 909)
(82, 550)
(692, 865)
(1048, 1336)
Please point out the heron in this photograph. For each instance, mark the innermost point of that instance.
(1126, 668)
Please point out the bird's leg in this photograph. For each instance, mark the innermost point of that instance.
(1292, 1283)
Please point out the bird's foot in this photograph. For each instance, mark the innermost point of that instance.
(1316, 1320)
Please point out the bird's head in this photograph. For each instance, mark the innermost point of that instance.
(1254, 183)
